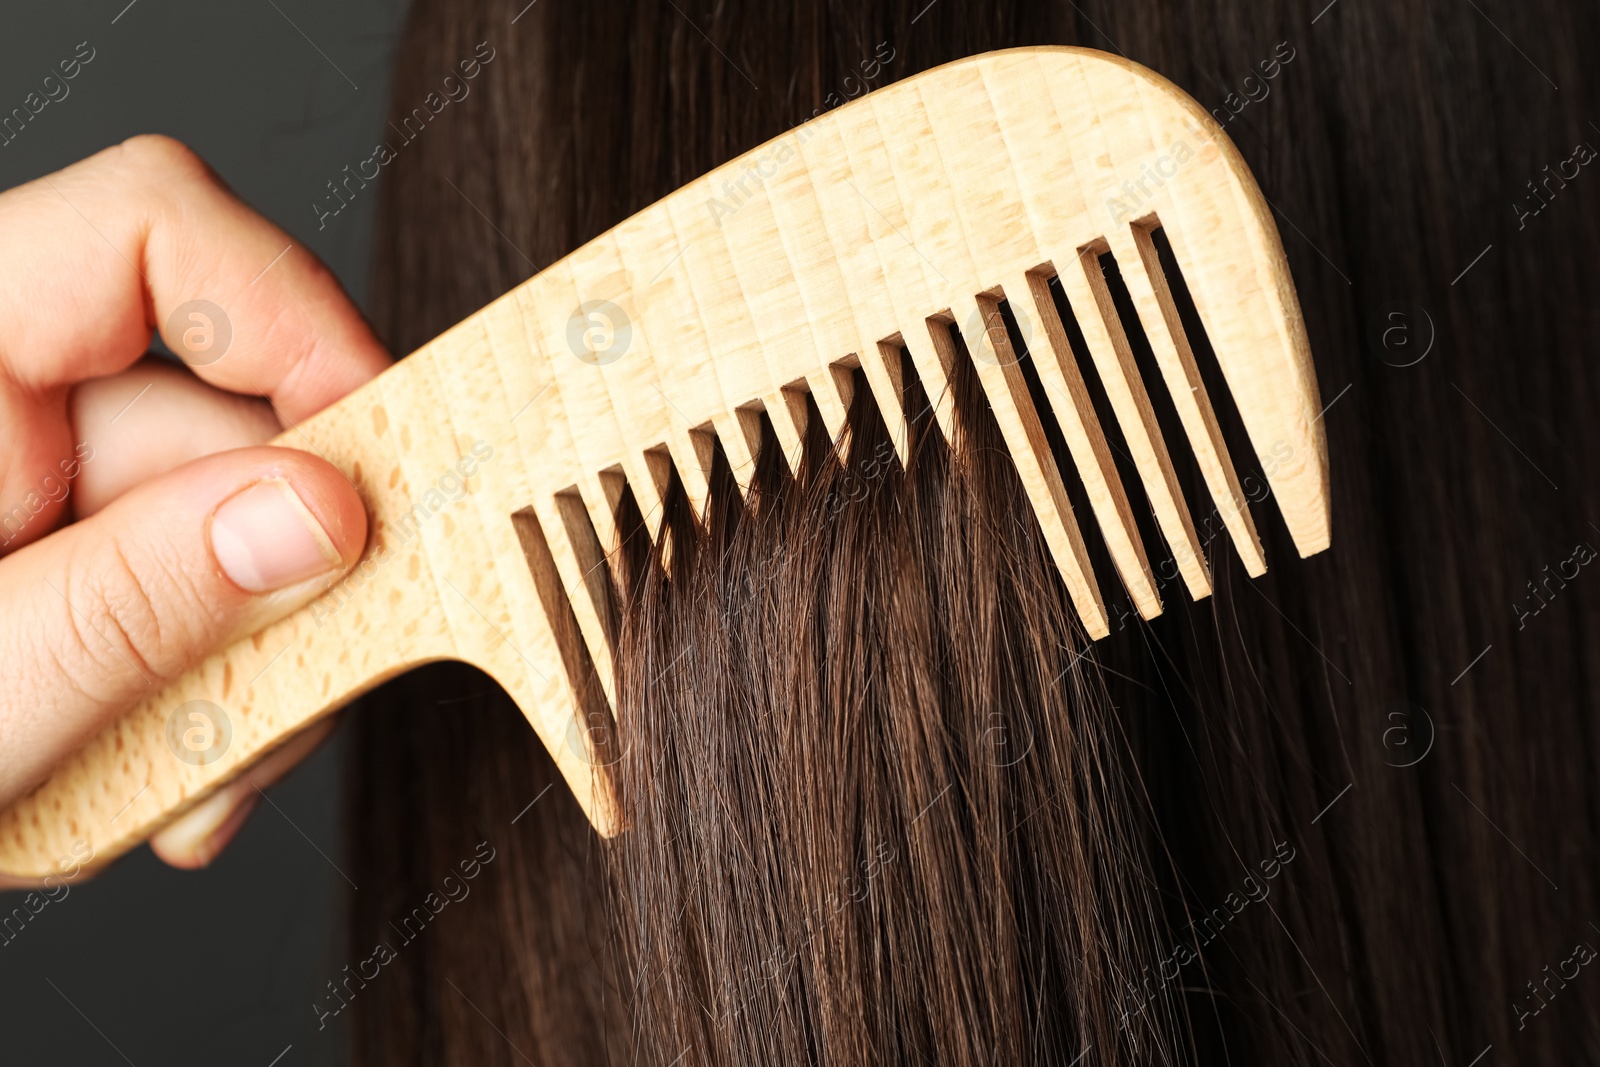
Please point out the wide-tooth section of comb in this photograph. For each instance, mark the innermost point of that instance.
(1114, 362)
(1136, 257)
(1039, 151)
(1040, 105)
(1252, 316)
(1075, 414)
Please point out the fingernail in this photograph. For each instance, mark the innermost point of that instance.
(266, 538)
(199, 834)
(218, 839)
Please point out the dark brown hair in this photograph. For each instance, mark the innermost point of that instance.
(885, 804)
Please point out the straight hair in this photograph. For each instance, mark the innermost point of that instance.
(1343, 813)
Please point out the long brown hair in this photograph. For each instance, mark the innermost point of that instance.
(1341, 814)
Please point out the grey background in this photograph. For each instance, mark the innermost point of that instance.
(146, 965)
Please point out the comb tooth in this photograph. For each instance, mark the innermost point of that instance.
(681, 452)
(560, 717)
(1279, 407)
(880, 363)
(658, 460)
(724, 429)
(1074, 412)
(733, 434)
(1147, 285)
(928, 361)
(575, 550)
(794, 402)
(749, 419)
(602, 519)
(832, 397)
(774, 409)
(1007, 392)
(704, 442)
(1090, 298)
(790, 437)
(640, 479)
(614, 482)
(843, 373)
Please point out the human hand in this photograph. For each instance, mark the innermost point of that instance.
(142, 523)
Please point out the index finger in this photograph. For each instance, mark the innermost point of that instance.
(143, 236)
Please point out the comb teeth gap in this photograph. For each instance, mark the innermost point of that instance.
(797, 401)
(679, 459)
(673, 494)
(918, 408)
(679, 528)
(1054, 364)
(821, 449)
(1253, 481)
(658, 460)
(1097, 292)
(594, 569)
(1011, 404)
(1152, 302)
(727, 500)
(829, 404)
(843, 373)
(1140, 519)
(778, 412)
(634, 544)
(727, 428)
(590, 692)
(703, 439)
(1098, 545)
(749, 416)
(880, 367)
(770, 452)
(574, 549)
(927, 362)
(869, 421)
(614, 483)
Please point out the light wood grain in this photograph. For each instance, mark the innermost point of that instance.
(870, 229)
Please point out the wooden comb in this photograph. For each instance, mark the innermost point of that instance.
(492, 459)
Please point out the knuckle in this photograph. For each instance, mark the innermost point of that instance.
(157, 151)
(132, 615)
(159, 160)
(110, 632)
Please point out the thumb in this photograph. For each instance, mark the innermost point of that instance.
(99, 614)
